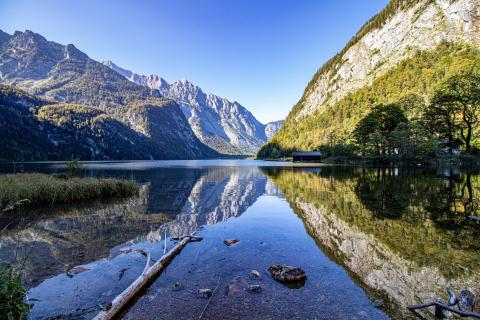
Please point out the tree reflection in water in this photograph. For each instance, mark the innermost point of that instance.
(403, 232)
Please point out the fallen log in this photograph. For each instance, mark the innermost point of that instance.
(148, 275)
(444, 306)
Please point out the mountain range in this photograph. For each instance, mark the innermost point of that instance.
(409, 48)
(224, 126)
(57, 103)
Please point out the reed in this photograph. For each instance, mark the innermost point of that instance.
(49, 189)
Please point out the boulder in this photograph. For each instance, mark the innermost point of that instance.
(287, 274)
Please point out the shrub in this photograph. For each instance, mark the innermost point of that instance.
(12, 295)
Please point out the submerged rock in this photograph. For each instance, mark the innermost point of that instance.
(287, 274)
(204, 293)
(76, 270)
(178, 286)
(231, 242)
(255, 274)
(466, 300)
(254, 288)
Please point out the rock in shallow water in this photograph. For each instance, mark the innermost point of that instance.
(255, 274)
(287, 274)
(466, 300)
(204, 293)
(231, 242)
(178, 286)
(255, 288)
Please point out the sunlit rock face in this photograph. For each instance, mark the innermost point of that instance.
(225, 126)
(400, 248)
(423, 26)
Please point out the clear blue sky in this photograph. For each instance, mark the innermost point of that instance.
(261, 53)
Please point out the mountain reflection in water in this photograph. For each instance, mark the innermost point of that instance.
(405, 234)
(402, 235)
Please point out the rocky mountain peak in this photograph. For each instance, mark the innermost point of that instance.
(4, 37)
(71, 52)
(152, 81)
(225, 126)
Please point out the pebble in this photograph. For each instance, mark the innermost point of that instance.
(255, 288)
(255, 274)
(205, 293)
(178, 286)
(231, 242)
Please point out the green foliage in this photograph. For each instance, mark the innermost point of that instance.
(413, 142)
(12, 295)
(441, 118)
(375, 129)
(339, 150)
(417, 77)
(34, 129)
(463, 92)
(47, 189)
(74, 166)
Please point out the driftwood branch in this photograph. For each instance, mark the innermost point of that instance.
(444, 306)
(147, 276)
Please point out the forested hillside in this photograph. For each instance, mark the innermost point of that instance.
(409, 48)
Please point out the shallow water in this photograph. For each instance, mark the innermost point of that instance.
(361, 234)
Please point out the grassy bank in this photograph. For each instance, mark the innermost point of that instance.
(48, 189)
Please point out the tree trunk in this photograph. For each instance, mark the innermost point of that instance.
(468, 138)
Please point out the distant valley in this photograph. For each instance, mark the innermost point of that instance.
(224, 126)
(57, 103)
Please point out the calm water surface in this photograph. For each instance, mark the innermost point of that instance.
(361, 234)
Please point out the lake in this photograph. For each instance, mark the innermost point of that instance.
(390, 235)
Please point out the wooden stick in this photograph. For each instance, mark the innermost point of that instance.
(444, 306)
(149, 274)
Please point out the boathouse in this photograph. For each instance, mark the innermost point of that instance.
(307, 156)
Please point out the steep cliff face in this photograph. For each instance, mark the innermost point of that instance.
(65, 74)
(423, 25)
(225, 126)
(401, 32)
